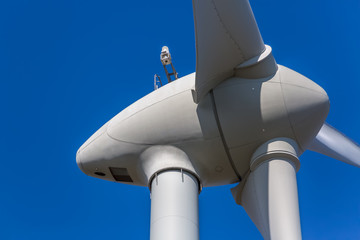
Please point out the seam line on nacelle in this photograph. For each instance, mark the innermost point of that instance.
(222, 136)
(146, 107)
(287, 112)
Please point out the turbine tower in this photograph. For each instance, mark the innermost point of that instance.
(241, 118)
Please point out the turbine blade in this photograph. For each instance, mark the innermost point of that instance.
(270, 198)
(226, 36)
(335, 144)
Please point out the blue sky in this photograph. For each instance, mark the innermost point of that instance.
(67, 67)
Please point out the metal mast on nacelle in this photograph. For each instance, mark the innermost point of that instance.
(165, 59)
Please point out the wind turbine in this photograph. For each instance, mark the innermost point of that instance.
(241, 118)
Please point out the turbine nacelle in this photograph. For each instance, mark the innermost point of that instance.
(219, 134)
(241, 118)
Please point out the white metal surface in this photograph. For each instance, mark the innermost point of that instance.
(219, 134)
(174, 206)
(270, 195)
(226, 36)
(157, 159)
(167, 116)
(333, 143)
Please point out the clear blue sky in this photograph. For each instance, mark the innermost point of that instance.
(67, 67)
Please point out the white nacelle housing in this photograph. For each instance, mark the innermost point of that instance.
(219, 134)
